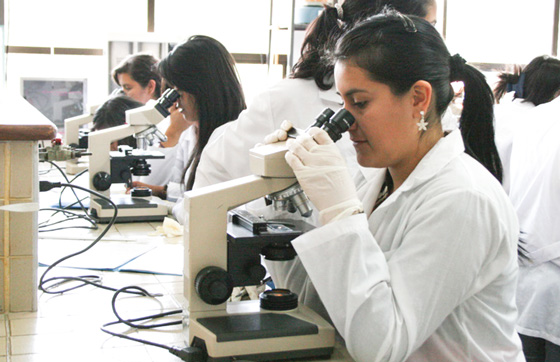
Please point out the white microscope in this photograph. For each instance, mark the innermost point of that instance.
(220, 255)
(72, 138)
(108, 167)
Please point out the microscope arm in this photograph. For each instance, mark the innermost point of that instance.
(72, 125)
(72, 128)
(207, 246)
(100, 148)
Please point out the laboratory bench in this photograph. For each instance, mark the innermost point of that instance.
(66, 327)
(21, 129)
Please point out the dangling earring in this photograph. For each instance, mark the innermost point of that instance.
(422, 125)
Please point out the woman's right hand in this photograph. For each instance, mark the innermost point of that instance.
(177, 124)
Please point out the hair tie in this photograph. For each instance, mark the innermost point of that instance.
(456, 65)
(517, 87)
(339, 11)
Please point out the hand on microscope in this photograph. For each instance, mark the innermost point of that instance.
(322, 173)
(320, 170)
(177, 125)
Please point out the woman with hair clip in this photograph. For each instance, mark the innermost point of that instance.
(537, 83)
(299, 99)
(418, 262)
(204, 73)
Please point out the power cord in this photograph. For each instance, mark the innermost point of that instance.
(190, 354)
(85, 216)
(85, 279)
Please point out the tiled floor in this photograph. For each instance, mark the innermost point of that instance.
(67, 327)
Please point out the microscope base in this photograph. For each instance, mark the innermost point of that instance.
(262, 335)
(130, 209)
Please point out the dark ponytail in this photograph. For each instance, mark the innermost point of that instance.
(505, 83)
(399, 51)
(477, 119)
(322, 34)
(538, 83)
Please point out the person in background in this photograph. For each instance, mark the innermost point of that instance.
(419, 262)
(535, 194)
(204, 73)
(139, 78)
(111, 114)
(299, 99)
(517, 92)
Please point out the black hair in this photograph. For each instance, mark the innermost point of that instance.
(540, 81)
(204, 68)
(323, 32)
(398, 51)
(112, 114)
(142, 68)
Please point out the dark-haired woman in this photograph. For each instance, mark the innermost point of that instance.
(139, 78)
(420, 263)
(518, 92)
(299, 99)
(204, 73)
(112, 113)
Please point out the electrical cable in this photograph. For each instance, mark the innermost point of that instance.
(85, 216)
(86, 279)
(191, 354)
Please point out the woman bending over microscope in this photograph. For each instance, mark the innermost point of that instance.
(419, 262)
(204, 73)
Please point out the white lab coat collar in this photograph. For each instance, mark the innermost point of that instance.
(443, 152)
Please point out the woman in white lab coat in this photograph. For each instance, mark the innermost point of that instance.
(204, 73)
(298, 99)
(517, 92)
(535, 194)
(139, 78)
(420, 263)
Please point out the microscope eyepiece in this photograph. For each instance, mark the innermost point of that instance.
(338, 124)
(322, 118)
(166, 100)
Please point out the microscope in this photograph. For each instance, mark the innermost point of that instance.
(111, 167)
(76, 137)
(222, 254)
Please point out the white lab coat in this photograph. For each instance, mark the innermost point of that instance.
(185, 146)
(508, 115)
(430, 275)
(535, 194)
(535, 180)
(296, 100)
(176, 189)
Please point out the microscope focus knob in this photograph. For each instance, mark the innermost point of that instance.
(213, 285)
(102, 181)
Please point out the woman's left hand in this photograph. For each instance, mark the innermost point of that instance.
(323, 175)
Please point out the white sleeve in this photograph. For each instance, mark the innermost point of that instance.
(387, 305)
(227, 157)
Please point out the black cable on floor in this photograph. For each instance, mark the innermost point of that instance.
(191, 354)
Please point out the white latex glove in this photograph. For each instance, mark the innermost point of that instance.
(280, 134)
(323, 175)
